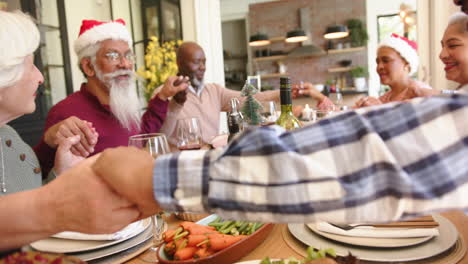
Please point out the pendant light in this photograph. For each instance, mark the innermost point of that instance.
(258, 40)
(336, 31)
(297, 35)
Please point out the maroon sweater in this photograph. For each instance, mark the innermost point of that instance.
(86, 106)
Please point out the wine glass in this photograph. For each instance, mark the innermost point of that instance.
(189, 136)
(269, 113)
(156, 144)
(337, 99)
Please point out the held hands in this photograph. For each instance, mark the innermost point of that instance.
(70, 127)
(81, 201)
(309, 89)
(128, 171)
(367, 101)
(172, 86)
(64, 157)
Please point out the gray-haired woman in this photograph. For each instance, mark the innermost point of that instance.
(28, 211)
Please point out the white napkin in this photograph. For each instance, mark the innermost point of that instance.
(378, 232)
(130, 230)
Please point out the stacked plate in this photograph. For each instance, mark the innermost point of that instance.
(92, 247)
(387, 246)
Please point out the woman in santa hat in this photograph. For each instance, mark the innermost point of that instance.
(397, 60)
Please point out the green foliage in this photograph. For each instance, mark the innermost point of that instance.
(357, 32)
(251, 108)
(358, 71)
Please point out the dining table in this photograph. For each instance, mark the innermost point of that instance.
(275, 245)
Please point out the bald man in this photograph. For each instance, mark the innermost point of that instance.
(201, 100)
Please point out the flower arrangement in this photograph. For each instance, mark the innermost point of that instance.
(160, 63)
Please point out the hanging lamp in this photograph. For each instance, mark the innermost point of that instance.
(297, 35)
(258, 40)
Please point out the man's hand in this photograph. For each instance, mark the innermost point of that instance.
(64, 158)
(180, 97)
(81, 201)
(70, 127)
(129, 171)
(172, 86)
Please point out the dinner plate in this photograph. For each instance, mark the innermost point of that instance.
(114, 249)
(447, 238)
(59, 245)
(371, 241)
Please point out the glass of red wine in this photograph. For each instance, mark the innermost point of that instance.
(189, 136)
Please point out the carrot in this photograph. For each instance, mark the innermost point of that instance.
(181, 243)
(222, 242)
(168, 235)
(170, 248)
(203, 252)
(193, 240)
(200, 230)
(185, 253)
(186, 225)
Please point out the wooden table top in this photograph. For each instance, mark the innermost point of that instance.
(275, 247)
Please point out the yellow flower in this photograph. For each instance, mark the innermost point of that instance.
(160, 63)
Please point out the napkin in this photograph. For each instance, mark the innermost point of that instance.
(378, 232)
(129, 231)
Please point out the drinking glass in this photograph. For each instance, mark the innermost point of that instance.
(337, 99)
(189, 136)
(269, 113)
(156, 144)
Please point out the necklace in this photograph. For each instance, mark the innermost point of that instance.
(3, 183)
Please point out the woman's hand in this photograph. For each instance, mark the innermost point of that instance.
(64, 158)
(310, 90)
(367, 101)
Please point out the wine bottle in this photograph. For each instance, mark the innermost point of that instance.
(287, 118)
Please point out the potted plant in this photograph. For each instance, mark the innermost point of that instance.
(359, 75)
(357, 32)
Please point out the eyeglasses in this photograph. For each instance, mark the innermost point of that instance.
(115, 57)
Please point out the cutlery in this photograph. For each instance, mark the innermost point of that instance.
(410, 224)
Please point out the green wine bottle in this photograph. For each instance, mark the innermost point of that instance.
(287, 118)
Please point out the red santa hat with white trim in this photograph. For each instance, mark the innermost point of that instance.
(93, 31)
(407, 49)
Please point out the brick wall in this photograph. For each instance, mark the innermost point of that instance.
(277, 18)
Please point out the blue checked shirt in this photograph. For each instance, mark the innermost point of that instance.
(369, 165)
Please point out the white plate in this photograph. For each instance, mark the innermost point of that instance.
(447, 238)
(112, 250)
(59, 245)
(371, 241)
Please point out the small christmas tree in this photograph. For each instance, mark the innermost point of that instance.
(251, 107)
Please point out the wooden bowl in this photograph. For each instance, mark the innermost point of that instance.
(227, 255)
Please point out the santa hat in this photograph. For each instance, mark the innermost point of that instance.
(407, 49)
(92, 32)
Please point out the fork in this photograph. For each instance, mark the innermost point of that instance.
(348, 227)
(429, 224)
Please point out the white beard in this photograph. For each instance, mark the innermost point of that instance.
(197, 84)
(124, 101)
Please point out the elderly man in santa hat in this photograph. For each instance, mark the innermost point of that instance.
(106, 110)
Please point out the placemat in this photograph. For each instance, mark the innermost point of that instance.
(451, 256)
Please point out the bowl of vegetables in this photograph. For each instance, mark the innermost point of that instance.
(211, 240)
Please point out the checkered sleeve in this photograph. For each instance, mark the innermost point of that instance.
(373, 164)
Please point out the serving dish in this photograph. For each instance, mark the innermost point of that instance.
(227, 255)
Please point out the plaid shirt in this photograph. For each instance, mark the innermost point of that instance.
(373, 164)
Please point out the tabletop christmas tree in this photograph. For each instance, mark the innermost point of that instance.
(251, 107)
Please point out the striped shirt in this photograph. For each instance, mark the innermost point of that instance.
(373, 164)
